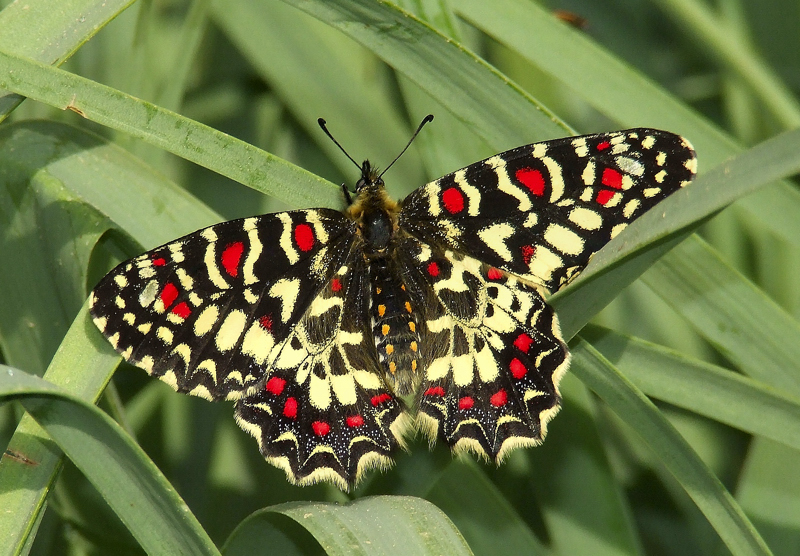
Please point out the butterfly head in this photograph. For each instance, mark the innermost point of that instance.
(370, 178)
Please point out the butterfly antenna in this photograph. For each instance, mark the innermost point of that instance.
(425, 120)
(321, 122)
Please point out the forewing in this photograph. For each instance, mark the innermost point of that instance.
(541, 211)
(492, 353)
(325, 413)
(206, 313)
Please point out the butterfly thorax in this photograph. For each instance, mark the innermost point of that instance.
(374, 212)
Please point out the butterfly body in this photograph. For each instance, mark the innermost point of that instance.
(316, 321)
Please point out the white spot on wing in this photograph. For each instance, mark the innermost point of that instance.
(230, 330)
(463, 369)
(544, 262)
(319, 392)
(212, 268)
(585, 218)
(472, 193)
(164, 334)
(344, 388)
(206, 320)
(253, 252)
(630, 208)
(588, 175)
(563, 239)
(504, 184)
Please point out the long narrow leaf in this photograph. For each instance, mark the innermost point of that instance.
(705, 489)
(702, 388)
(131, 484)
(748, 327)
(187, 138)
(375, 525)
(36, 30)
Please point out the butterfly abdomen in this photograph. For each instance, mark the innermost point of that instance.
(395, 329)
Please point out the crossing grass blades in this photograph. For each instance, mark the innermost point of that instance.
(318, 323)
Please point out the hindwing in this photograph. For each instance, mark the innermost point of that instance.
(492, 353)
(325, 412)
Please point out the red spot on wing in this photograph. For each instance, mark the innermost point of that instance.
(304, 237)
(465, 403)
(290, 408)
(434, 391)
(527, 253)
(518, 370)
(533, 180)
(523, 342)
(433, 269)
(231, 257)
(354, 421)
(182, 310)
(266, 322)
(320, 428)
(494, 274)
(169, 294)
(612, 178)
(603, 146)
(499, 398)
(453, 200)
(379, 399)
(604, 196)
(159, 261)
(336, 285)
(275, 385)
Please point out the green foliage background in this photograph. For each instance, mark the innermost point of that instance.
(144, 121)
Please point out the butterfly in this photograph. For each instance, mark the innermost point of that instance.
(337, 334)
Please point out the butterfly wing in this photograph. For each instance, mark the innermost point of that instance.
(541, 211)
(204, 313)
(492, 353)
(486, 241)
(254, 310)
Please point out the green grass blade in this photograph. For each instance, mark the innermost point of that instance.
(36, 30)
(130, 483)
(641, 415)
(499, 518)
(83, 365)
(702, 388)
(283, 44)
(769, 492)
(382, 525)
(137, 199)
(495, 108)
(187, 138)
(717, 40)
(753, 332)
